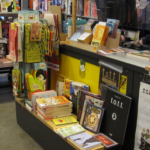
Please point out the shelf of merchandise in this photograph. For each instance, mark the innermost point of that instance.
(8, 13)
(132, 62)
(78, 16)
(43, 132)
(133, 69)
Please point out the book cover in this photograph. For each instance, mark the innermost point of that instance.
(87, 8)
(111, 23)
(98, 35)
(117, 107)
(85, 141)
(106, 141)
(67, 85)
(90, 100)
(93, 10)
(65, 120)
(82, 98)
(108, 76)
(93, 118)
(52, 101)
(44, 94)
(70, 130)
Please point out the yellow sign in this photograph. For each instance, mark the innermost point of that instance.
(123, 84)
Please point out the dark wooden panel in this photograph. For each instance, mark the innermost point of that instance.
(43, 135)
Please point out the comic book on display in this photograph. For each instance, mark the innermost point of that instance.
(117, 108)
(85, 95)
(92, 118)
(85, 98)
(34, 96)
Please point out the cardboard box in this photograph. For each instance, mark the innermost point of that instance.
(86, 38)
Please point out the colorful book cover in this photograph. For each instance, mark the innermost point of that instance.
(93, 10)
(111, 23)
(36, 82)
(90, 100)
(52, 101)
(44, 94)
(87, 8)
(71, 130)
(67, 85)
(106, 141)
(65, 120)
(93, 118)
(98, 35)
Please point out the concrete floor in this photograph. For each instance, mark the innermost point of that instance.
(12, 136)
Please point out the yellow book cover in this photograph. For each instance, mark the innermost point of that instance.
(52, 101)
(65, 120)
(67, 87)
(98, 35)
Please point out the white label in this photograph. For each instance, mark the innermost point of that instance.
(82, 68)
(84, 36)
(87, 27)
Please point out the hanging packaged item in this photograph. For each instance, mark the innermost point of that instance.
(52, 59)
(34, 50)
(37, 81)
(12, 41)
(35, 34)
(16, 79)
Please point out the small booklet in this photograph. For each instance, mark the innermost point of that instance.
(85, 141)
(106, 141)
(65, 120)
(71, 130)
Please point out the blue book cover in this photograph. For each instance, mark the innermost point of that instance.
(111, 23)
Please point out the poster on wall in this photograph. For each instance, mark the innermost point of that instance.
(142, 135)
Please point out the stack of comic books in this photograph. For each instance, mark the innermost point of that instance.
(53, 107)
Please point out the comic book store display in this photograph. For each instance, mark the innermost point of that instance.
(33, 47)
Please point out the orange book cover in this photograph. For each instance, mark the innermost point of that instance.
(104, 39)
(52, 101)
(98, 35)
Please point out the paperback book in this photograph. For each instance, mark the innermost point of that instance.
(65, 120)
(85, 141)
(106, 141)
(70, 130)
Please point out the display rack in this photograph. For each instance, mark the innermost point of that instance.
(43, 132)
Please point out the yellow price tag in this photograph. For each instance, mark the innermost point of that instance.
(94, 49)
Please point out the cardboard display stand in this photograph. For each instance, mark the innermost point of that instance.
(111, 43)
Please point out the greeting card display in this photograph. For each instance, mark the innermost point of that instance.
(92, 118)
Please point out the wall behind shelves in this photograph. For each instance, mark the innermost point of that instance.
(70, 67)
